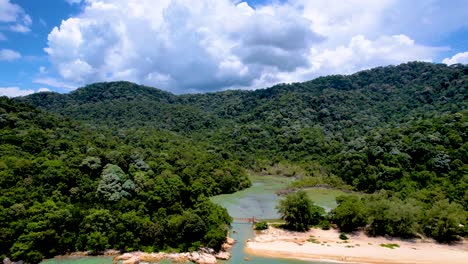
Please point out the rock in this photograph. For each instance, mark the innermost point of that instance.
(124, 257)
(151, 257)
(6, 261)
(226, 247)
(208, 251)
(230, 241)
(132, 260)
(223, 255)
(145, 258)
(207, 259)
(111, 252)
(194, 256)
(178, 257)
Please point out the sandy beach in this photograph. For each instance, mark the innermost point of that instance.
(326, 245)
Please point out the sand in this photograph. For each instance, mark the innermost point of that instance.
(358, 249)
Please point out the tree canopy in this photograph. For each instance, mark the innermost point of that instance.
(299, 212)
(125, 166)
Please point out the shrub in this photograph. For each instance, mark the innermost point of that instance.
(391, 246)
(261, 225)
(343, 236)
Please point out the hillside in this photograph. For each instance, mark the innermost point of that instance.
(278, 121)
(367, 98)
(70, 187)
(396, 133)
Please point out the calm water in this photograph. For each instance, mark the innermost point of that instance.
(79, 260)
(259, 201)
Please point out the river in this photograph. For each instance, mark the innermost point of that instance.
(258, 201)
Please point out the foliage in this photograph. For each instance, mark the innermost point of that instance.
(385, 214)
(67, 186)
(390, 246)
(262, 225)
(343, 236)
(299, 211)
(146, 160)
(445, 220)
(350, 213)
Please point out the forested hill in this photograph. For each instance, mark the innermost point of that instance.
(119, 165)
(66, 187)
(361, 101)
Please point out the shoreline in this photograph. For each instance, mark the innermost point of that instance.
(201, 256)
(325, 245)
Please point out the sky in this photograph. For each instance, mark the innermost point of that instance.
(188, 46)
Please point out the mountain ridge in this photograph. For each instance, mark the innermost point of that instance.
(114, 162)
(401, 89)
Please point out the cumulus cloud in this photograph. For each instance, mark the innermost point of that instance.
(461, 57)
(191, 46)
(13, 17)
(55, 83)
(9, 55)
(362, 53)
(43, 89)
(179, 45)
(14, 91)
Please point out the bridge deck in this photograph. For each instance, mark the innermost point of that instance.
(247, 220)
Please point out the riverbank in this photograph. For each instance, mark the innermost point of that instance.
(325, 245)
(202, 256)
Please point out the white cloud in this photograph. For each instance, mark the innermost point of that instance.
(55, 83)
(362, 53)
(43, 89)
(9, 55)
(186, 46)
(461, 57)
(9, 11)
(14, 91)
(13, 17)
(179, 45)
(19, 28)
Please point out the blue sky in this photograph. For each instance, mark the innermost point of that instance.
(186, 46)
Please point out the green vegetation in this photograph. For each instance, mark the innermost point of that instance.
(312, 239)
(385, 214)
(299, 211)
(325, 197)
(390, 246)
(67, 187)
(261, 225)
(119, 165)
(343, 236)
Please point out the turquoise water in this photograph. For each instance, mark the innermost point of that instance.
(259, 201)
(78, 260)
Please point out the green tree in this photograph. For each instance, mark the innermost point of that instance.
(445, 220)
(299, 211)
(350, 213)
